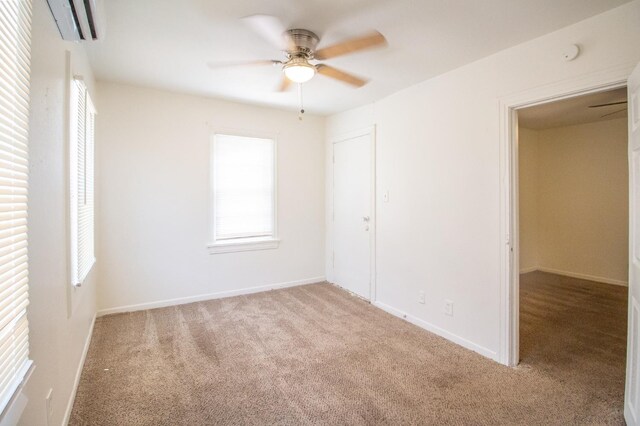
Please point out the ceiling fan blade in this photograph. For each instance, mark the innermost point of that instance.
(611, 113)
(610, 103)
(216, 65)
(284, 84)
(340, 75)
(271, 29)
(369, 41)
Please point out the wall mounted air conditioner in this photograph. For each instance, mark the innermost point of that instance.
(78, 20)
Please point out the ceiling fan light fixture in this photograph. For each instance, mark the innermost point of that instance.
(299, 70)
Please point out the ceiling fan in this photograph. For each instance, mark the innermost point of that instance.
(610, 104)
(299, 47)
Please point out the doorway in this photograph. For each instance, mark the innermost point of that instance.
(606, 79)
(354, 213)
(573, 235)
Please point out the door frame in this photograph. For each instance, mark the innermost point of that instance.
(509, 315)
(371, 132)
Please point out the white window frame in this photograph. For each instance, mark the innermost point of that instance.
(217, 246)
(77, 277)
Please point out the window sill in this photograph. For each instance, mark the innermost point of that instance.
(82, 281)
(18, 401)
(249, 244)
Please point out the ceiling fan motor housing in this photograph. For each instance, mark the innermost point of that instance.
(305, 42)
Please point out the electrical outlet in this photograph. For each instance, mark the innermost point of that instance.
(448, 308)
(421, 297)
(49, 405)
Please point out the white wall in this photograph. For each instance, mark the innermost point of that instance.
(528, 198)
(153, 186)
(56, 340)
(581, 210)
(438, 155)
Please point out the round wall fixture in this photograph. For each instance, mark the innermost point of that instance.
(570, 52)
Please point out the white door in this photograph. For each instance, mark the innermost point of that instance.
(352, 214)
(632, 390)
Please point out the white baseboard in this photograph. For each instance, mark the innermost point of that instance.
(209, 296)
(527, 270)
(582, 276)
(439, 331)
(76, 382)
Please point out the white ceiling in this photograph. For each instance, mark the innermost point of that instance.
(167, 43)
(576, 110)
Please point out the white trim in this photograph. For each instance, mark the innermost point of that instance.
(210, 296)
(18, 402)
(76, 381)
(439, 331)
(527, 270)
(67, 174)
(587, 277)
(630, 408)
(244, 244)
(13, 411)
(373, 227)
(608, 78)
(353, 134)
(249, 133)
(371, 132)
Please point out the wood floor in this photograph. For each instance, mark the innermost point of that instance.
(315, 354)
(577, 330)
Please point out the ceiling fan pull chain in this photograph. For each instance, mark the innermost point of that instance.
(300, 98)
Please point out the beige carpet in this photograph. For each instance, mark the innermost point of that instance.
(316, 355)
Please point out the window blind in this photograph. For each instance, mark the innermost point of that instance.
(15, 39)
(244, 193)
(81, 179)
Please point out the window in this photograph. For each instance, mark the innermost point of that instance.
(15, 36)
(243, 186)
(81, 182)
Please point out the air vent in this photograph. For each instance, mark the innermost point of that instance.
(78, 20)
